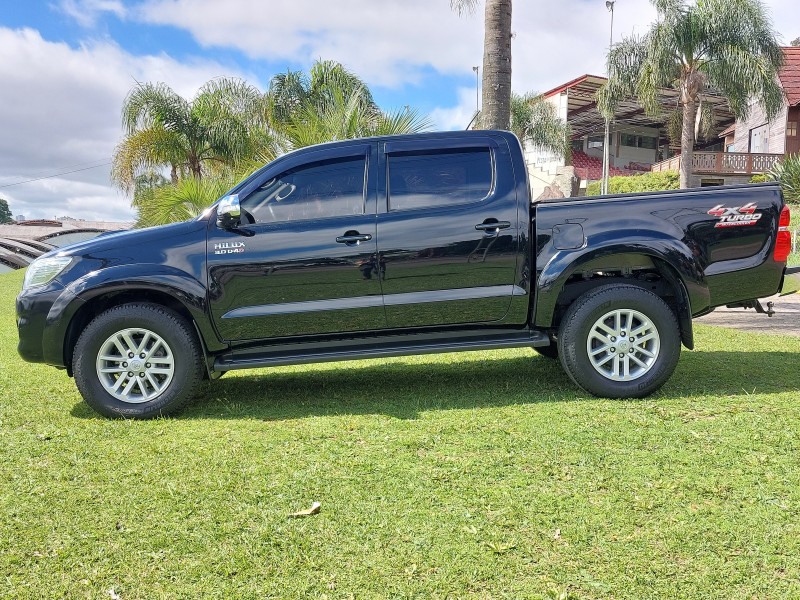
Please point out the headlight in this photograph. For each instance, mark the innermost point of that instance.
(44, 270)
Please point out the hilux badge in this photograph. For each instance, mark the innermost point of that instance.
(229, 248)
(737, 216)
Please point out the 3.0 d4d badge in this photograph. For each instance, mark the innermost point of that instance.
(229, 248)
(736, 216)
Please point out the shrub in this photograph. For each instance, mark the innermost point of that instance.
(630, 184)
(787, 173)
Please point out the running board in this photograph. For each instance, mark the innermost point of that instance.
(275, 357)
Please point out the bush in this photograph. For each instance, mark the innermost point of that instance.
(630, 184)
(787, 173)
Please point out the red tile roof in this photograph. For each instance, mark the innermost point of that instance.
(790, 75)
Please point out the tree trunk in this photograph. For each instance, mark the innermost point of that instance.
(691, 85)
(687, 142)
(496, 101)
(173, 174)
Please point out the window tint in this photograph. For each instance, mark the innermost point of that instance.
(317, 190)
(424, 179)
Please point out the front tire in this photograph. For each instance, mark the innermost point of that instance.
(137, 361)
(619, 341)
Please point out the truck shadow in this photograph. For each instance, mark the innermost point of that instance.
(404, 388)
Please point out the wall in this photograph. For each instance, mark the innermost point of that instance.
(622, 155)
(776, 130)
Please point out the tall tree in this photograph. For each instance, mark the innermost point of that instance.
(5, 212)
(190, 138)
(496, 96)
(535, 121)
(329, 103)
(725, 45)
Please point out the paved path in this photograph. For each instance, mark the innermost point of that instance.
(785, 321)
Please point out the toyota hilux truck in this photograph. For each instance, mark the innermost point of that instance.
(394, 246)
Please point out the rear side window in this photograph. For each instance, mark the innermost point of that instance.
(318, 190)
(425, 179)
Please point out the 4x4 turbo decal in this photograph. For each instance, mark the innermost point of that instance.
(736, 216)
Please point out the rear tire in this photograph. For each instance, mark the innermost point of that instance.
(138, 361)
(619, 341)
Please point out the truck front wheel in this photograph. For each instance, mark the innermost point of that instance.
(619, 341)
(137, 361)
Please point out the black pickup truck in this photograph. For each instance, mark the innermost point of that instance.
(394, 246)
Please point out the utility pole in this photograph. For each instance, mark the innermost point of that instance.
(607, 142)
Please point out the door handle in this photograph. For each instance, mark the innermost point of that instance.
(353, 238)
(497, 225)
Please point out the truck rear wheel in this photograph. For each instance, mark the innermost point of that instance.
(619, 341)
(137, 361)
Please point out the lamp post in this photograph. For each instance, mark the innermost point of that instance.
(607, 141)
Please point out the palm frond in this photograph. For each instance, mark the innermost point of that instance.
(535, 121)
(463, 7)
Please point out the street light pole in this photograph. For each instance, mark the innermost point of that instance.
(607, 141)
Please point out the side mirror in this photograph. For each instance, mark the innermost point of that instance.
(229, 212)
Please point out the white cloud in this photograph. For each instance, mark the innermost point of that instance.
(387, 43)
(61, 111)
(86, 12)
(458, 116)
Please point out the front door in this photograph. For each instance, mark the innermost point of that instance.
(304, 259)
(448, 232)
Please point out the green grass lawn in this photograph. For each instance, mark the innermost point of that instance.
(482, 475)
(794, 257)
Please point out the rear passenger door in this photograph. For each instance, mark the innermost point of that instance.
(448, 236)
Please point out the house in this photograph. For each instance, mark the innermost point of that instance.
(637, 141)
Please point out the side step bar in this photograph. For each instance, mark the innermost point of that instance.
(275, 357)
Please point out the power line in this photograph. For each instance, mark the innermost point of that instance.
(79, 165)
(54, 175)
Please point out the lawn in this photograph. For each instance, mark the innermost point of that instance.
(478, 475)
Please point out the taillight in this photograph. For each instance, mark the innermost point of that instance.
(783, 245)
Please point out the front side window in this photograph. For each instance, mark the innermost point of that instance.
(425, 179)
(329, 188)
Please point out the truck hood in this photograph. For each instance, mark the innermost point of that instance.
(129, 238)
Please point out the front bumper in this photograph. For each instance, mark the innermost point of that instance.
(33, 308)
(791, 281)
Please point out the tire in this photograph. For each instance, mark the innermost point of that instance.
(159, 381)
(550, 351)
(590, 325)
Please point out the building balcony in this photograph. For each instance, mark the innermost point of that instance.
(723, 163)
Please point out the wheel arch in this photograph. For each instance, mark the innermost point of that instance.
(100, 303)
(648, 270)
(88, 296)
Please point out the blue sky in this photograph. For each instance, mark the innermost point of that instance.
(67, 65)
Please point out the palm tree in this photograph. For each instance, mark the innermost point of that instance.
(347, 114)
(725, 45)
(496, 96)
(190, 138)
(535, 121)
(294, 93)
(330, 103)
(181, 201)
